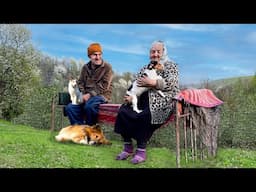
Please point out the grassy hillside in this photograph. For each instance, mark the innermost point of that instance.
(229, 81)
(220, 83)
(27, 147)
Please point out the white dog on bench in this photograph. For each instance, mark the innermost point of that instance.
(135, 91)
(76, 95)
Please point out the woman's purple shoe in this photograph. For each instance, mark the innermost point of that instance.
(123, 155)
(139, 157)
(127, 152)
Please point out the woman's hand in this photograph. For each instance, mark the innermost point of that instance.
(146, 82)
(127, 99)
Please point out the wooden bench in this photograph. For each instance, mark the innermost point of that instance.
(107, 112)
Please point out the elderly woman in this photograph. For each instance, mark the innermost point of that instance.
(156, 109)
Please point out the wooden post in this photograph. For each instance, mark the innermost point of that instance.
(192, 144)
(177, 137)
(195, 143)
(53, 114)
(185, 137)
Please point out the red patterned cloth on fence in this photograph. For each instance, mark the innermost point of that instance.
(108, 113)
(199, 97)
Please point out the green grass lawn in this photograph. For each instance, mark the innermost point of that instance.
(27, 147)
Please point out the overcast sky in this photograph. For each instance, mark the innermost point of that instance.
(202, 51)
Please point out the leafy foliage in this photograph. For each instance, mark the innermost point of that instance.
(37, 109)
(238, 126)
(120, 84)
(18, 70)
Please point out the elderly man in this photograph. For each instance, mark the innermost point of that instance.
(95, 83)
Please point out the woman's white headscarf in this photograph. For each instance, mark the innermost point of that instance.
(165, 56)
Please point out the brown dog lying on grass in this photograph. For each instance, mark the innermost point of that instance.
(82, 134)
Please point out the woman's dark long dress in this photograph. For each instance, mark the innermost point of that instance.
(131, 124)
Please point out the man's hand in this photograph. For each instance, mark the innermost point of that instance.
(86, 97)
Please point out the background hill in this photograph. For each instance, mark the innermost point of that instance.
(222, 83)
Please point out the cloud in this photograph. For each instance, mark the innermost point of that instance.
(198, 27)
(136, 49)
(235, 70)
(77, 39)
(174, 44)
(251, 37)
(187, 27)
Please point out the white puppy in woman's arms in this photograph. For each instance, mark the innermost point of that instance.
(135, 91)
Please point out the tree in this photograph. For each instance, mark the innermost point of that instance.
(19, 74)
(46, 66)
